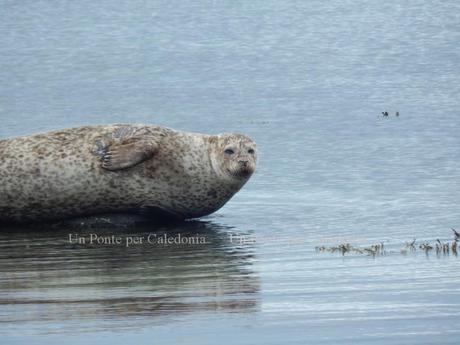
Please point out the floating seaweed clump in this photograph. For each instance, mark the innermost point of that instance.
(441, 248)
(374, 250)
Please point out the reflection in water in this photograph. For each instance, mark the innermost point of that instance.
(45, 277)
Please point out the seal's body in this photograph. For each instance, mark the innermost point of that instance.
(151, 170)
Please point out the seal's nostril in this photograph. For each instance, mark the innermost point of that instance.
(243, 163)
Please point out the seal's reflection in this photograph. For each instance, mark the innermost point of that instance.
(43, 275)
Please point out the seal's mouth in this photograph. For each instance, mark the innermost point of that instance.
(244, 172)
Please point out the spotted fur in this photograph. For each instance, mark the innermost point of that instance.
(61, 174)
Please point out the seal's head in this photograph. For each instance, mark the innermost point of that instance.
(234, 156)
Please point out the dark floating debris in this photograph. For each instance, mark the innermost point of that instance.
(385, 114)
(374, 250)
(444, 248)
(411, 245)
(426, 247)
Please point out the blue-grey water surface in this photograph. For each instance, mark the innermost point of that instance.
(307, 80)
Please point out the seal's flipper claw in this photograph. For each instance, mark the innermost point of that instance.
(124, 156)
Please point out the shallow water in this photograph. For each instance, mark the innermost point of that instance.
(306, 80)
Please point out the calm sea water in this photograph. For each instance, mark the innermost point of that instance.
(308, 81)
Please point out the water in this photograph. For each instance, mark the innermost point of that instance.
(306, 80)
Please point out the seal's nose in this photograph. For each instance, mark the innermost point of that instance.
(243, 163)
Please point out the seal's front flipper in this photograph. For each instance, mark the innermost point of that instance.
(127, 154)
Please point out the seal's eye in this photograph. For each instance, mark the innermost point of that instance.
(251, 151)
(229, 151)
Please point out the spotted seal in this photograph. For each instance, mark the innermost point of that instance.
(121, 168)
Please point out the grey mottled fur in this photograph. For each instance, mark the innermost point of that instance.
(120, 168)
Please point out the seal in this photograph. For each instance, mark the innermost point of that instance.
(122, 168)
